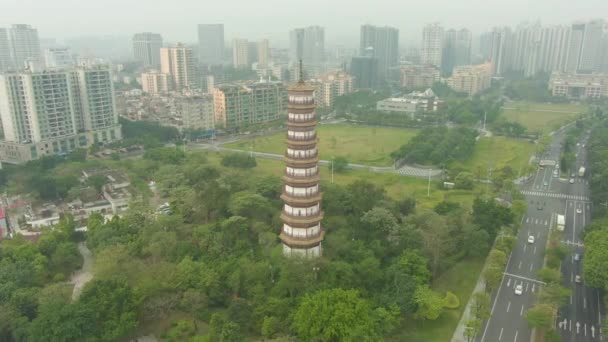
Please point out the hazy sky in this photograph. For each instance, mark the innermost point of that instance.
(254, 19)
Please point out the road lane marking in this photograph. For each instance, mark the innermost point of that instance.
(578, 327)
(521, 312)
(531, 266)
(527, 286)
(571, 277)
(534, 249)
(519, 265)
(584, 303)
(533, 285)
(500, 335)
(536, 221)
(524, 278)
(599, 310)
(585, 329)
(515, 339)
(508, 306)
(570, 299)
(527, 220)
(525, 245)
(570, 328)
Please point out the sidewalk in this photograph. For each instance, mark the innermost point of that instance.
(458, 335)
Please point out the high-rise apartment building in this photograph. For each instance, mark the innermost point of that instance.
(456, 49)
(56, 111)
(154, 82)
(240, 105)
(365, 71)
(146, 48)
(308, 44)
(178, 62)
(240, 53)
(263, 53)
(5, 51)
(58, 57)
(329, 86)
(211, 44)
(24, 45)
(432, 45)
(584, 50)
(301, 233)
(385, 44)
(501, 51)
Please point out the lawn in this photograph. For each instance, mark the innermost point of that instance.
(359, 144)
(497, 152)
(459, 279)
(542, 117)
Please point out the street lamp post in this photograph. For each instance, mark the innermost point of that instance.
(332, 170)
(428, 188)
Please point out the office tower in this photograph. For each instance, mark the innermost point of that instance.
(252, 53)
(56, 111)
(211, 44)
(308, 44)
(301, 233)
(154, 82)
(242, 104)
(501, 50)
(365, 71)
(240, 53)
(146, 48)
(24, 45)
(263, 53)
(5, 51)
(178, 62)
(432, 44)
(456, 49)
(59, 57)
(385, 44)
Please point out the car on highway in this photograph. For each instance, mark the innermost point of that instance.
(571, 180)
(579, 210)
(577, 279)
(531, 239)
(519, 289)
(546, 183)
(538, 206)
(577, 257)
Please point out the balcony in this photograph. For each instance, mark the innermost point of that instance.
(308, 241)
(295, 220)
(291, 198)
(301, 123)
(301, 162)
(301, 180)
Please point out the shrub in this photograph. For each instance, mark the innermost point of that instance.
(451, 301)
(239, 160)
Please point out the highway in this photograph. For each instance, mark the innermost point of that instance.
(580, 318)
(547, 194)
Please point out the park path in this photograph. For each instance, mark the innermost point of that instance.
(85, 274)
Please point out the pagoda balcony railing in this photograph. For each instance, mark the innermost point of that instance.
(302, 238)
(295, 138)
(312, 240)
(301, 195)
(301, 199)
(294, 175)
(301, 219)
(302, 156)
(298, 215)
(311, 120)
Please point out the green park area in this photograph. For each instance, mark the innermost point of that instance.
(498, 152)
(542, 117)
(358, 144)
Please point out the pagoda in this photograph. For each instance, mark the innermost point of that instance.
(301, 234)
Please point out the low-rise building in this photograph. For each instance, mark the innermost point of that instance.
(470, 79)
(418, 76)
(578, 86)
(194, 112)
(241, 104)
(155, 82)
(414, 103)
(330, 86)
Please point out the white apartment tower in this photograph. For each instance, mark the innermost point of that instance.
(178, 62)
(24, 45)
(5, 51)
(432, 44)
(146, 48)
(58, 57)
(56, 111)
(240, 53)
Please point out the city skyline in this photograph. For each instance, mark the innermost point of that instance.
(240, 22)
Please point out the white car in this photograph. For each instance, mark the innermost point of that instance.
(571, 180)
(579, 210)
(531, 239)
(519, 289)
(577, 279)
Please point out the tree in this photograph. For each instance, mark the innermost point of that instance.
(63, 322)
(596, 259)
(379, 223)
(492, 276)
(472, 328)
(430, 303)
(239, 160)
(481, 305)
(464, 180)
(549, 275)
(416, 266)
(97, 182)
(554, 294)
(334, 315)
(540, 316)
(339, 164)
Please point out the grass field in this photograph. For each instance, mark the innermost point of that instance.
(459, 279)
(498, 152)
(359, 144)
(542, 117)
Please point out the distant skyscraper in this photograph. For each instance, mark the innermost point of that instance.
(501, 50)
(432, 44)
(591, 46)
(146, 48)
(385, 44)
(456, 49)
(178, 62)
(308, 44)
(5, 51)
(240, 53)
(252, 53)
(263, 53)
(365, 71)
(59, 57)
(211, 44)
(24, 44)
